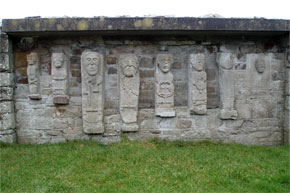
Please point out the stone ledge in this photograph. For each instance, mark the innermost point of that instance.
(142, 23)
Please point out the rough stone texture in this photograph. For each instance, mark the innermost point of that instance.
(141, 23)
(60, 79)
(129, 91)
(92, 92)
(261, 108)
(227, 88)
(33, 76)
(286, 132)
(164, 87)
(197, 93)
(7, 112)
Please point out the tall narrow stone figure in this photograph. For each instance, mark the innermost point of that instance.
(129, 91)
(92, 67)
(59, 73)
(33, 76)
(164, 87)
(226, 83)
(197, 84)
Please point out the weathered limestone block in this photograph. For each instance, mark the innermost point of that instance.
(7, 121)
(259, 71)
(92, 67)
(129, 91)
(8, 136)
(33, 76)
(164, 87)
(59, 73)
(6, 79)
(226, 84)
(197, 92)
(4, 44)
(6, 93)
(5, 61)
(7, 107)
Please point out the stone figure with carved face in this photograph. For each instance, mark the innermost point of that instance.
(129, 91)
(226, 84)
(197, 84)
(59, 73)
(260, 65)
(33, 76)
(92, 92)
(164, 87)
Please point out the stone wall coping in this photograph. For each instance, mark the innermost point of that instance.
(74, 24)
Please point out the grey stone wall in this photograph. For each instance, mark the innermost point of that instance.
(260, 105)
(7, 113)
(287, 95)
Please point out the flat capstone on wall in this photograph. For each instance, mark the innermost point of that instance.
(167, 78)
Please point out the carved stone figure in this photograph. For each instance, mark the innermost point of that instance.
(33, 76)
(197, 84)
(129, 91)
(59, 73)
(259, 70)
(164, 87)
(226, 84)
(92, 67)
(260, 65)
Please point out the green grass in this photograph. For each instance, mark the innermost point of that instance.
(153, 166)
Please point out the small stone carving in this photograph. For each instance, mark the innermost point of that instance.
(33, 76)
(260, 65)
(259, 70)
(226, 84)
(59, 73)
(92, 67)
(164, 87)
(197, 84)
(129, 91)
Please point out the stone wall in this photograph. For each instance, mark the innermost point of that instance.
(225, 88)
(7, 113)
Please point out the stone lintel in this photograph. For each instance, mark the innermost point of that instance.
(38, 24)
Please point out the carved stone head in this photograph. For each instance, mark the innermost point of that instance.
(92, 62)
(129, 64)
(164, 62)
(225, 60)
(57, 59)
(260, 65)
(32, 59)
(197, 61)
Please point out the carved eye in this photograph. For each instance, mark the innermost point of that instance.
(88, 59)
(95, 59)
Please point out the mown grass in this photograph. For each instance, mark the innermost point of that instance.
(153, 166)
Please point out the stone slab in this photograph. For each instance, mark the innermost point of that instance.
(141, 23)
(6, 79)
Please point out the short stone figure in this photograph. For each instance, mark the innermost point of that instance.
(59, 73)
(129, 91)
(92, 67)
(164, 87)
(33, 76)
(197, 84)
(226, 83)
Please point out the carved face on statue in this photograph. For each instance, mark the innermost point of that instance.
(92, 63)
(32, 60)
(129, 65)
(260, 65)
(197, 61)
(164, 62)
(57, 59)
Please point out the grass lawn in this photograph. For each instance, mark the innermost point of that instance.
(153, 166)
